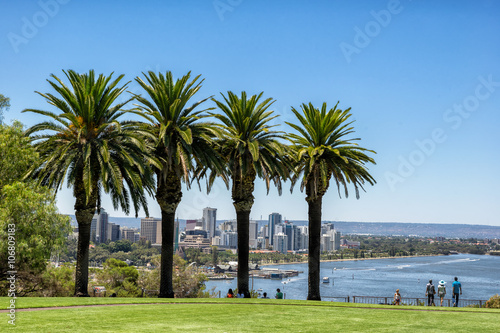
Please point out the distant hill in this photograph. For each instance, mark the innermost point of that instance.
(371, 228)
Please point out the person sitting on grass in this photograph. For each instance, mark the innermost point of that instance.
(230, 293)
(279, 294)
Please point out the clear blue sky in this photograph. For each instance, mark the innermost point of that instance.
(422, 79)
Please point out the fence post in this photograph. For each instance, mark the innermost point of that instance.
(354, 299)
(348, 301)
(386, 301)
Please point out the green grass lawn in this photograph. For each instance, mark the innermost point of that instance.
(242, 315)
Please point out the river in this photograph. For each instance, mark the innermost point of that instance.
(479, 275)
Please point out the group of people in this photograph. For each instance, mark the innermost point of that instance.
(430, 291)
(230, 294)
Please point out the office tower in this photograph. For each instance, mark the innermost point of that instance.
(280, 243)
(128, 233)
(209, 220)
(304, 238)
(274, 219)
(326, 243)
(190, 224)
(288, 230)
(99, 227)
(253, 234)
(151, 229)
(113, 232)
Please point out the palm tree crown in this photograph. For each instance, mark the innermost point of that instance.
(321, 151)
(248, 141)
(87, 146)
(182, 145)
(250, 148)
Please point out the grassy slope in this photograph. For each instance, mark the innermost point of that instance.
(238, 315)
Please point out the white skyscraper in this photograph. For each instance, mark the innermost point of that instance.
(274, 219)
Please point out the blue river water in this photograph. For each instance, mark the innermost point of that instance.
(479, 275)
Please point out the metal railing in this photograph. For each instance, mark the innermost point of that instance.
(447, 302)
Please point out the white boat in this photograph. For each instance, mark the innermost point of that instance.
(326, 279)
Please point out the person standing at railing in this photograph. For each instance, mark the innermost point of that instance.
(397, 297)
(430, 291)
(457, 287)
(441, 290)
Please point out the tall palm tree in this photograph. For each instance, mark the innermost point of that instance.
(181, 143)
(86, 145)
(251, 148)
(322, 151)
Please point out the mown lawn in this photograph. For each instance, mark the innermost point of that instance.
(241, 315)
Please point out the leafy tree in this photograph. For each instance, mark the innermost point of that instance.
(16, 153)
(4, 106)
(119, 278)
(87, 146)
(30, 215)
(251, 149)
(322, 151)
(187, 281)
(30, 226)
(181, 143)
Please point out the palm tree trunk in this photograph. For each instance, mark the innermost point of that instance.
(242, 193)
(84, 212)
(168, 196)
(82, 260)
(243, 221)
(314, 248)
(167, 254)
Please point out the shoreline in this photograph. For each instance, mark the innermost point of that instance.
(350, 259)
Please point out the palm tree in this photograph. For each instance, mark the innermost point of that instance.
(321, 152)
(181, 143)
(251, 149)
(88, 147)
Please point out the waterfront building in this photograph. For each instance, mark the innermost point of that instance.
(253, 234)
(280, 243)
(303, 242)
(274, 219)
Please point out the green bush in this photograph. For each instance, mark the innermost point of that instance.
(493, 302)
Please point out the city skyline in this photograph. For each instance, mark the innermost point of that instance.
(421, 78)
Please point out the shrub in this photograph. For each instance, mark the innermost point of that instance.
(493, 302)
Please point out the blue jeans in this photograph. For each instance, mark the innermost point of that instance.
(455, 299)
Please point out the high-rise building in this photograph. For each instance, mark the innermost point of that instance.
(274, 219)
(280, 243)
(209, 220)
(190, 224)
(130, 234)
(113, 232)
(303, 243)
(99, 227)
(151, 229)
(253, 234)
